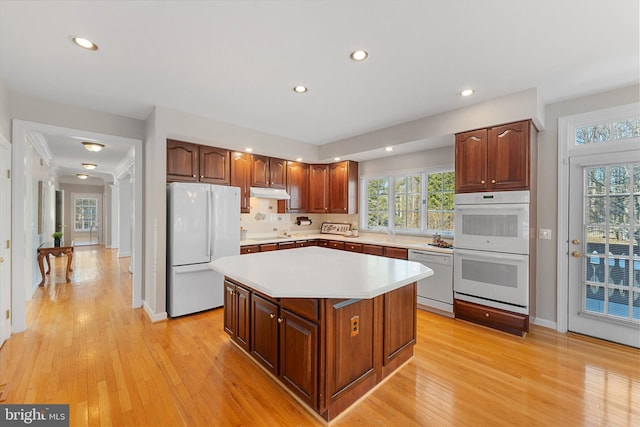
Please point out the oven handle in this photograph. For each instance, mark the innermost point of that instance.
(490, 255)
(479, 208)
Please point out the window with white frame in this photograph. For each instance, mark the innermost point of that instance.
(85, 213)
(414, 203)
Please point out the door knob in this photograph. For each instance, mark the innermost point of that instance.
(576, 254)
(575, 241)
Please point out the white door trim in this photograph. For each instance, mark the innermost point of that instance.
(567, 148)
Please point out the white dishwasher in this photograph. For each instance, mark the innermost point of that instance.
(435, 293)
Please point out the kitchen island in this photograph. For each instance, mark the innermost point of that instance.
(328, 325)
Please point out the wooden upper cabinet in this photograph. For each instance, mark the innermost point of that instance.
(494, 159)
(318, 188)
(471, 161)
(298, 187)
(182, 161)
(343, 187)
(268, 172)
(215, 165)
(509, 156)
(241, 177)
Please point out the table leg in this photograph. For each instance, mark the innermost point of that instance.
(69, 260)
(46, 257)
(40, 256)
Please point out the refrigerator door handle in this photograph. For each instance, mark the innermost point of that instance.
(209, 219)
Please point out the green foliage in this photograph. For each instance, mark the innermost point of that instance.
(57, 235)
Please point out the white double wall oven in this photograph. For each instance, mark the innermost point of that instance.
(492, 238)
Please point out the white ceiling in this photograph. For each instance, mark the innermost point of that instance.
(237, 61)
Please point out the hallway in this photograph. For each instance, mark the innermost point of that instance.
(87, 347)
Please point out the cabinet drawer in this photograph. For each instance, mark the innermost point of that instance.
(323, 243)
(287, 245)
(334, 244)
(302, 243)
(507, 321)
(305, 307)
(353, 247)
(312, 243)
(399, 253)
(372, 250)
(251, 249)
(268, 247)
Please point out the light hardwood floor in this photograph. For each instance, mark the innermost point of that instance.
(85, 346)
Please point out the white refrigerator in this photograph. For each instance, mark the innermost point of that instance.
(203, 224)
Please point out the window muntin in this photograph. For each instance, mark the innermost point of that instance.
(85, 213)
(422, 202)
(607, 132)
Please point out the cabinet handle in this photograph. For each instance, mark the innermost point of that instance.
(271, 315)
(280, 320)
(482, 182)
(493, 181)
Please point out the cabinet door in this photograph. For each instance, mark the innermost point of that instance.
(259, 171)
(243, 329)
(286, 245)
(508, 157)
(277, 173)
(298, 187)
(399, 331)
(241, 177)
(230, 309)
(399, 253)
(182, 161)
(343, 187)
(264, 333)
(214, 165)
(373, 250)
(318, 188)
(471, 161)
(299, 356)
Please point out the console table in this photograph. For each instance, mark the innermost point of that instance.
(48, 248)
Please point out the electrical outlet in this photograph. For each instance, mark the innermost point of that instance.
(355, 325)
(544, 233)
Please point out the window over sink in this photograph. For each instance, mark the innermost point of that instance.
(412, 203)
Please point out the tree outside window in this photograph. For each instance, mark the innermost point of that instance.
(85, 213)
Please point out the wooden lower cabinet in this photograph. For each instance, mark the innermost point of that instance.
(237, 312)
(268, 247)
(353, 247)
(373, 250)
(286, 245)
(506, 321)
(249, 249)
(399, 253)
(328, 352)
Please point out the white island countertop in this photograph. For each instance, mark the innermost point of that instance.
(314, 272)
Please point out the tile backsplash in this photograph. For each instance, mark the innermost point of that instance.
(264, 220)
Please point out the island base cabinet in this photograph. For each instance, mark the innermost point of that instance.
(237, 313)
(264, 332)
(399, 331)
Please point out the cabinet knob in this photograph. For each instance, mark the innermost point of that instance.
(280, 320)
(493, 181)
(271, 315)
(201, 176)
(486, 314)
(482, 182)
(193, 176)
(230, 292)
(248, 250)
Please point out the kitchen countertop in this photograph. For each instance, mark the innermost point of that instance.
(314, 272)
(406, 242)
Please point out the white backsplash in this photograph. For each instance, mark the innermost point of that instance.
(264, 220)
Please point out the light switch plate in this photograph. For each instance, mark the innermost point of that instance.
(544, 233)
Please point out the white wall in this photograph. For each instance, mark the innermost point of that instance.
(438, 157)
(548, 258)
(124, 217)
(5, 117)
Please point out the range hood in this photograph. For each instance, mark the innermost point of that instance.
(269, 193)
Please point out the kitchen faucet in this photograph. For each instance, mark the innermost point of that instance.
(391, 235)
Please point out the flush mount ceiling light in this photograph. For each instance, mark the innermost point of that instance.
(82, 175)
(93, 146)
(84, 43)
(89, 166)
(248, 149)
(359, 55)
(300, 89)
(337, 159)
(466, 92)
(388, 148)
(299, 159)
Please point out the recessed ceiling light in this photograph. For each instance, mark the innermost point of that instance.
(82, 175)
(85, 43)
(248, 149)
(89, 166)
(359, 55)
(300, 89)
(336, 159)
(466, 92)
(388, 148)
(93, 146)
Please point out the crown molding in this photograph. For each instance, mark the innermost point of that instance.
(39, 143)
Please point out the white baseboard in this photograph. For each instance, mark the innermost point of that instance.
(122, 254)
(545, 323)
(154, 317)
